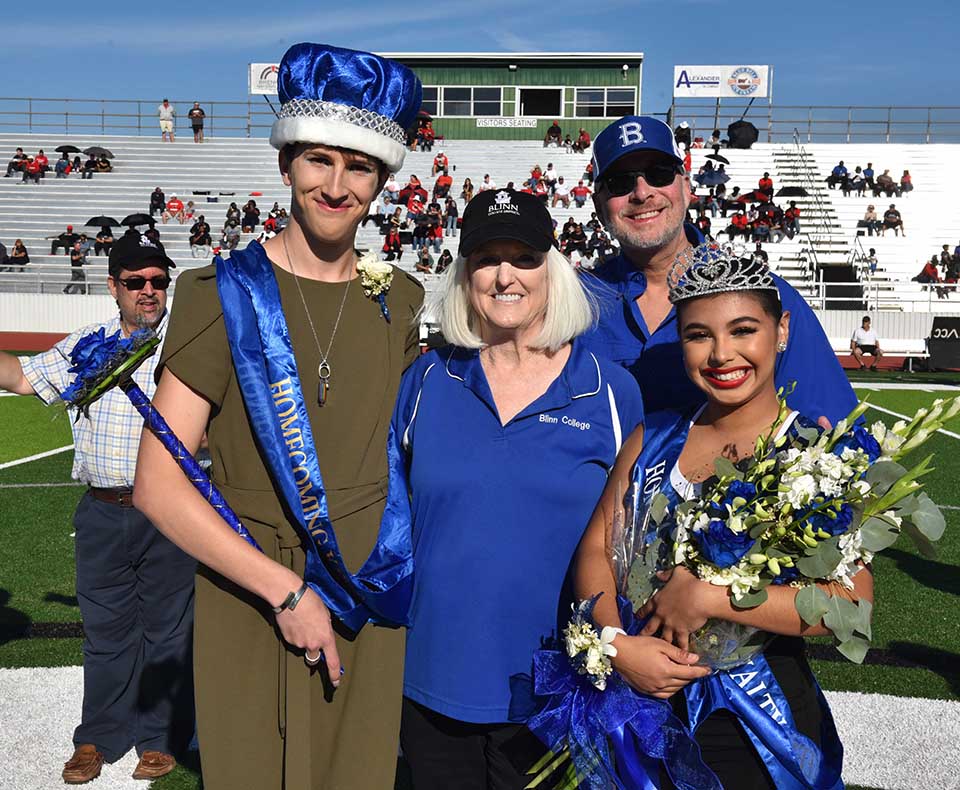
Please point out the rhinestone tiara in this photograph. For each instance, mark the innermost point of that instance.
(717, 268)
(365, 119)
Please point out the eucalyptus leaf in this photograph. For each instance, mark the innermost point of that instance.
(658, 507)
(822, 560)
(809, 435)
(866, 617)
(878, 533)
(921, 541)
(724, 468)
(855, 648)
(642, 581)
(842, 617)
(812, 604)
(928, 519)
(881, 476)
(758, 529)
(751, 599)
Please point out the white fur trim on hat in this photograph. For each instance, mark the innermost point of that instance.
(333, 132)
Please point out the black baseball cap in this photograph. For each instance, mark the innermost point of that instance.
(134, 251)
(505, 214)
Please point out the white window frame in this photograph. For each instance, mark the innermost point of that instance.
(440, 100)
(558, 116)
(606, 100)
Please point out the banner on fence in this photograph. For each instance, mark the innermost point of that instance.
(744, 82)
(262, 79)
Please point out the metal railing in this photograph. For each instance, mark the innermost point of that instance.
(254, 116)
(131, 116)
(826, 123)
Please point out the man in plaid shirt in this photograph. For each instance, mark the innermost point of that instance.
(135, 587)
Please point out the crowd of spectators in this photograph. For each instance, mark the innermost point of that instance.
(863, 179)
(35, 168)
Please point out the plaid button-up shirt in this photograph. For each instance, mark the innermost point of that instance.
(105, 444)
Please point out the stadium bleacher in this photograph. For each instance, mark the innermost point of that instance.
(232, 169)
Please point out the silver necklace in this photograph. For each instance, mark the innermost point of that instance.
(324, 370)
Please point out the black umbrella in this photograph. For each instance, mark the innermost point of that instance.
(718, 158)
(792, 192)
(67, 149)
(742, 134)
(138, 219)
(96, 150)
(99, 222)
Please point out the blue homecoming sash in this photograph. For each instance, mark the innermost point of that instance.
(380, 592)
(750, 692)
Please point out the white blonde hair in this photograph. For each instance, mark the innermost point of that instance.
(570, 311)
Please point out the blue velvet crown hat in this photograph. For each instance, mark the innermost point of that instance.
(345, 98)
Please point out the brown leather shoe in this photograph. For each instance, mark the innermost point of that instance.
(153, 765)
(83, 766)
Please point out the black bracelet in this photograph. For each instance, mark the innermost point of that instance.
(291, 601)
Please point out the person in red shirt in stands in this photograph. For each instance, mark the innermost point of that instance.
(583, 142)
(580, 194)
(765, 185)
(414, 207)
(588, 173)
(791, 217)
(31, 171)
(687, 160)
(44, 163)
(739, 225)
(443, 184)
(174, 210)
(440, 162)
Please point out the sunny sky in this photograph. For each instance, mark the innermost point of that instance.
(878, 52)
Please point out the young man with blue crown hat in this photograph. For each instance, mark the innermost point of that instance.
(642, 194)
(288, 355)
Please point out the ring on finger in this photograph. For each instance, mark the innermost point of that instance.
(313, 661)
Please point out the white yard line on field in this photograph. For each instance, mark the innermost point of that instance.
(74, 484)
(890, 743)
(898, 385)
(897, 414)
(36, 457)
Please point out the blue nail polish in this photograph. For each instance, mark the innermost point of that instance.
(342, 672)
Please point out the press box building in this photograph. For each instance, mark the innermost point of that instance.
(517, 96)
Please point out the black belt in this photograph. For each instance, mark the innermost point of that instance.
(123, 497)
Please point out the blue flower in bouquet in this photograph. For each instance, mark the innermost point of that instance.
(859, 438)
(787, 575)
(835, 526)
(93, 351)
(737, 488)
(722, 546)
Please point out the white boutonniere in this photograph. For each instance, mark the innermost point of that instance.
(375, 279)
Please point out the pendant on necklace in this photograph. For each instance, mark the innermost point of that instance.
(324, 371)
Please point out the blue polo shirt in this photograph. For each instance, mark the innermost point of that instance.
(498, 511)
(656, 358)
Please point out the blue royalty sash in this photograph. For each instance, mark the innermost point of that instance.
(380, 592)
(750, 692)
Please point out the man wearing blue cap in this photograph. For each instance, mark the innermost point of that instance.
(642, 195)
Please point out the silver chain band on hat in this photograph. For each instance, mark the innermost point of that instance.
(717, 268)
(365, 119)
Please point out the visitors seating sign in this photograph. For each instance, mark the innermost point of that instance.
(744, 82)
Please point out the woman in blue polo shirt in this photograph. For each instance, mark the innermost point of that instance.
(510, 433)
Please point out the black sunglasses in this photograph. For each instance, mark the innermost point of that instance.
(661, 175)
(160, 283)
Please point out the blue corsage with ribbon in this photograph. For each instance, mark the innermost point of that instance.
(602, 734)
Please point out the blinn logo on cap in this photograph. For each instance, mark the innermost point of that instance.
(145, 241)
(502, 204)
(630, 134)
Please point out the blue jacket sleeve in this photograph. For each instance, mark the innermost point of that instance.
(626, 393)
(822, 388)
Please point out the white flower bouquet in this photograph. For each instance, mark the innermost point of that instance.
(809, 506)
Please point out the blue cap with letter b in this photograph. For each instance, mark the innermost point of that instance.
(632, 133)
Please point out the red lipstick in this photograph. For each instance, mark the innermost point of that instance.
(712, 375)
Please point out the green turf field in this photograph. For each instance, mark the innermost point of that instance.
(916, 641)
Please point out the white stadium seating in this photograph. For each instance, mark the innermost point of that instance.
(242, 166)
